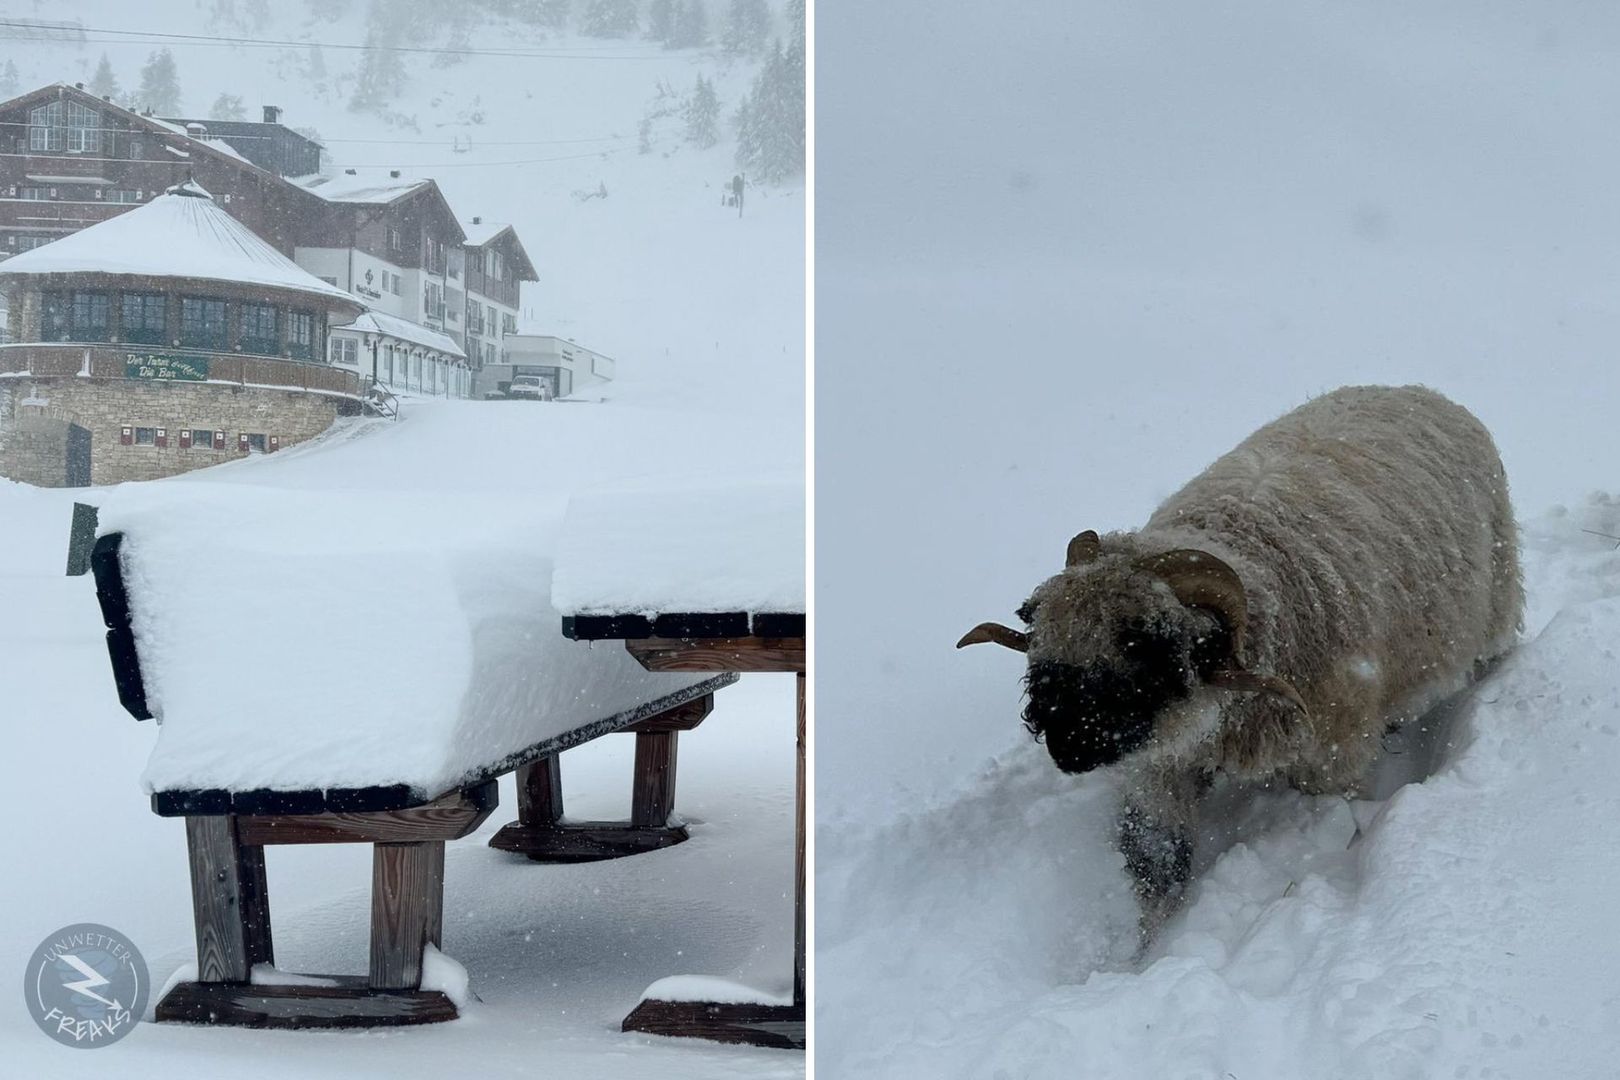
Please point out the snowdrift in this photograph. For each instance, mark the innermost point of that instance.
(1464, 930)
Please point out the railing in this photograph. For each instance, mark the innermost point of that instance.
(112, 362)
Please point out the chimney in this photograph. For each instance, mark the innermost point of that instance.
(272, 114)
(394, 173)
(477, 220)
(78, 86)
(349, 172)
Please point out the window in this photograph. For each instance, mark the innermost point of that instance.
(345, 351)
(135, 150)
(202, 438)
(394, 287)
(33, 194)
(258, 328)
(29, 243)
(123, 195)
(301, 335)
(416, 363)
(256, 444)
(92, 316)
(394, 243)
(56, 318)
(146, 436)
(64, 125)
(202, 323)
(146, 318)
(508, 323)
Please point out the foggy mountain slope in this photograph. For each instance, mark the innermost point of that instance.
(657, 274)
(1466, 933)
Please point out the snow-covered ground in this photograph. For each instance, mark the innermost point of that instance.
(557, 955)
(1065, 258)
(703, 312)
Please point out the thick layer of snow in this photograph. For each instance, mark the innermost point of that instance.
(556, 956)
(690, 547)
(1465, 932)
(710, 988)
(362, 186)
(482, 231)
(174, 236)
(301, 626)
(378, 322)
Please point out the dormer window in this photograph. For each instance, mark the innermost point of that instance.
(64, 125)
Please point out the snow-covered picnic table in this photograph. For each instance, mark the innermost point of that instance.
(338, 651)
(723, 590)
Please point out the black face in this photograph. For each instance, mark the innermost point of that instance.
(1093, 716)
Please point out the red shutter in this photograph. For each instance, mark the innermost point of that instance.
(219, 440)
(185, 438)
(241, 442)
(126, 436)
(275, 443)
(162, 437)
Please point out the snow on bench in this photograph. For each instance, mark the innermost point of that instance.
(348, 641)
(698, 559)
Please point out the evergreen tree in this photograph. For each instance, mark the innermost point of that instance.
(644, 136)
(691, 25)
(381, 78)
(661, 21)
(104, 84)
(610, 19)
(160, 84)
(748, 27)
(9, 80)
(315, 65)
(770, 121)
(703, 114)
(227, 107)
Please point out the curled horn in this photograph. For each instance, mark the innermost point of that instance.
(1199, 579)
(1083, 549)
(1259, 684)
(996, 634)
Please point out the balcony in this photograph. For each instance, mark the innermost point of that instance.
(174, 365)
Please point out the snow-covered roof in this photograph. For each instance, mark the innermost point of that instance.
(443, 651)
(361, 186)
(481, 232)
(377, 322)
(180, 234)
(650, 549)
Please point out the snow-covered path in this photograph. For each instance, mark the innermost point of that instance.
(1468, 932)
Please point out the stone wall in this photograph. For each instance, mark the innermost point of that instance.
(33, 449)
(106, 406)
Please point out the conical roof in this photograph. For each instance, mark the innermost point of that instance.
(182, 233)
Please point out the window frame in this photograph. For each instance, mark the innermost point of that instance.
(221, 343)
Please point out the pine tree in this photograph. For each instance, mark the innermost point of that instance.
(160, 84)
(703, 115)
(691, 25)
(227, 107)
(9, 79)
(315, 65)
(661, 21)
(610, 19)
(748, 26)
(770, 121)
(381, 78)
(104, 84)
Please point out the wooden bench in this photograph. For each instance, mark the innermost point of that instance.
(228, 830)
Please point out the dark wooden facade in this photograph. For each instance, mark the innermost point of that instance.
(267, 144)
(499, 279)
(90, 160)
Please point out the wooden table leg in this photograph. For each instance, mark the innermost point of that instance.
(407, 910)
(229, 900)
(798, 863)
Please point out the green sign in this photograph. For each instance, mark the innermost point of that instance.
(165, 366)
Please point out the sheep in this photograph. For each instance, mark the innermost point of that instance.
(1342, 570)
